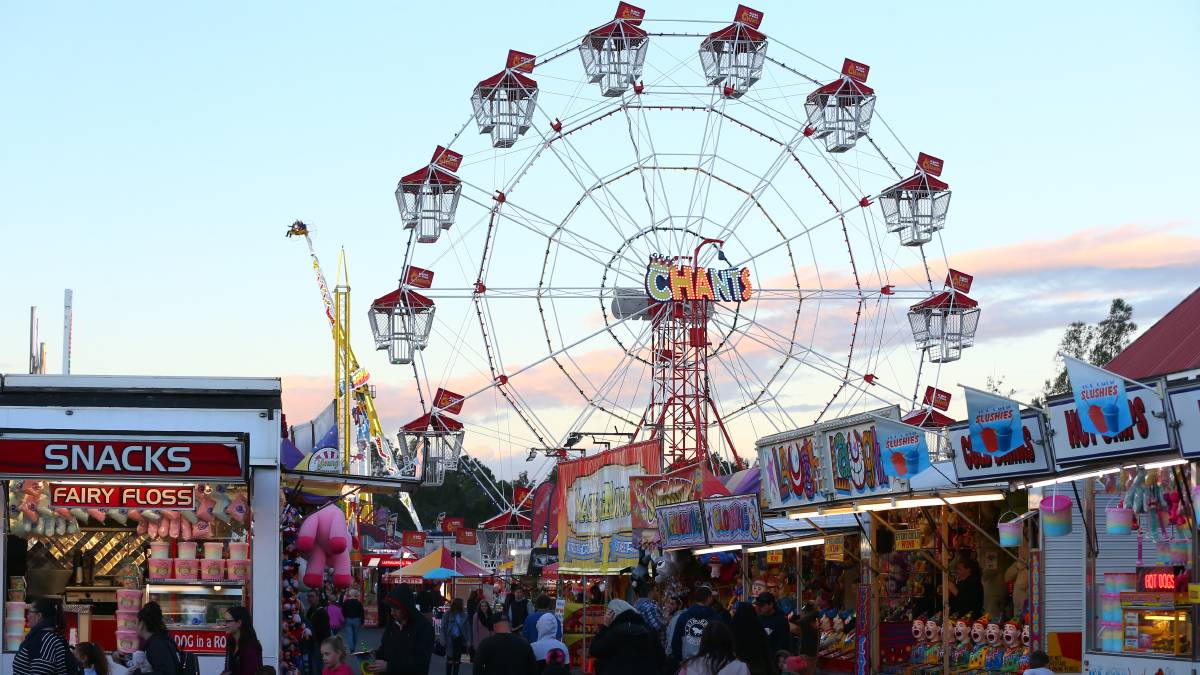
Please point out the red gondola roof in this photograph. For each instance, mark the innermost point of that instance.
(430, 174)
(506, 521)
(930, 419)
(440, 423)
(507, 79)
(945, 300)
(618, 28)
(734, 31)
(920, 181)
(843, 82)
(401, 296)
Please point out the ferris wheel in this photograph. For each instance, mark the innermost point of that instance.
(655, 232)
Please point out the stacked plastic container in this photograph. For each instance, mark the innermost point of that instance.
(187, 568)
(212, 568)
(1115, 583)
(14, 625)
(129, 600)
(160, 563)
(239, 560)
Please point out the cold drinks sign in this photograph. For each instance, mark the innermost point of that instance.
(120, 458)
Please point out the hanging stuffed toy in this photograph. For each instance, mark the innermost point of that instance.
(323, 540)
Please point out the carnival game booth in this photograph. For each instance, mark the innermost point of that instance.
(916, 522)
(122, 490)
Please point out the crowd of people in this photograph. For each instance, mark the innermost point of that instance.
(660, 634)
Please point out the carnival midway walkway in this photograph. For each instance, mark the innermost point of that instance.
(370, 637)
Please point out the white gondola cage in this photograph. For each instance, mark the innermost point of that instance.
(945, 323)
(400, 322)
(734, 55)
(916, 207)
(504, 103)
(840, 112)
(615, 53)
(428, 197)
(438, 438)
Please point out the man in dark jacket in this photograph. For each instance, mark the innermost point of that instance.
(626, 645)
(773, 622)
(503, 653)
(685, 643)
(407, 643)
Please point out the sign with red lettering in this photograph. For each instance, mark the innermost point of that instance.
(110, 496)
(1148, 433)
(119, 458)
(466, 537)
(974, 465)
(413, 538)
(1185, 409)
(199, 640)
(1160, 580)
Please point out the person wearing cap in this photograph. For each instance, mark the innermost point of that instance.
(625, 645)
(504, 653)
(773, 622)
(407, 643)
(685, 641)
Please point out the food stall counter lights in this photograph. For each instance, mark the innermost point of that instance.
(718, 549)
(799, 543)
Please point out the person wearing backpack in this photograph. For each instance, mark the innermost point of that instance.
(44, 651)
(454, 636)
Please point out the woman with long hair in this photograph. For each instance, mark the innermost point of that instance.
(481, 625)
(454, 635)
(750, 641)
(243, 651)
(157, 643)
(717, 655)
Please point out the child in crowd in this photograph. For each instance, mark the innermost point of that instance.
(333, 656)
(91, 658)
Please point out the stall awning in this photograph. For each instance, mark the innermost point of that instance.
(506, 521)
(443, 564)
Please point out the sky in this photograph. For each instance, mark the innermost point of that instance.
(155, 154)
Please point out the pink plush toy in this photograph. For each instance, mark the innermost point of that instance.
(324, 540)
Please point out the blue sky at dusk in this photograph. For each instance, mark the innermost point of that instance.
(155, 153)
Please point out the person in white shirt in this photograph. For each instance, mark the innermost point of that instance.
(547, 628)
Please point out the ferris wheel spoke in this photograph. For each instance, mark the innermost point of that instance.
(648, 191)
(824, 359)
(611, 379)
(521, 217)
(753, 398)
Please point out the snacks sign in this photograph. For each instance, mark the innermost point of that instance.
(1030, 458)
(111, 457)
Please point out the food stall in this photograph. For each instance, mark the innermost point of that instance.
(1139, 546)
(123, 490)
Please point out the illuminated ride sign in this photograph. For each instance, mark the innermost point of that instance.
(666, 282)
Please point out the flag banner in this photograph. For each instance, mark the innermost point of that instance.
(905, 452)
(1100, 398)
(994, 423)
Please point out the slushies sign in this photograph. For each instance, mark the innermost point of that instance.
(666, 282)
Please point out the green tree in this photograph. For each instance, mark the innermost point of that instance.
(995, 384)
(1096, 344)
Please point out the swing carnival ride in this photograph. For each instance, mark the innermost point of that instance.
(687, 240)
